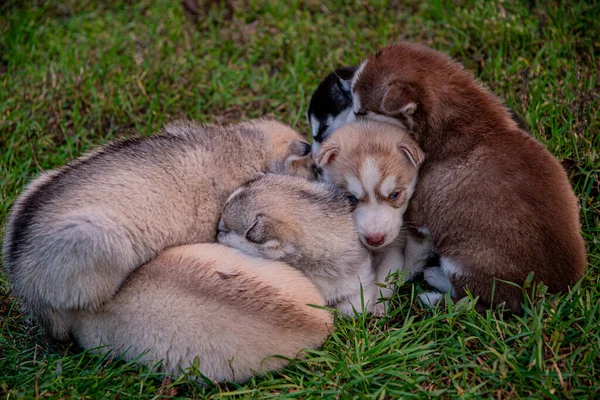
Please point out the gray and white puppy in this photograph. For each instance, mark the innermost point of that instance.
(76, 233)
(308, 225)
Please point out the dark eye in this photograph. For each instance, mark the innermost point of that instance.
(352, 198)
(394, 196)
(360, 113)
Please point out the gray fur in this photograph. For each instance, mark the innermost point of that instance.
(308, 225)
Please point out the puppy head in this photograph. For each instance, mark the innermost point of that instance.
(250, 222)
(376, 165)
(406, 85)
(330, 105)
(290, 152)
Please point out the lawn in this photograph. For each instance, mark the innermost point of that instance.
(76, 74)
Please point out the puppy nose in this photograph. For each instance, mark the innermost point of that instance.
(376, 239)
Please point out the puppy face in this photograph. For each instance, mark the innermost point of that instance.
(376, 165)
(252, 230)
(330, 105)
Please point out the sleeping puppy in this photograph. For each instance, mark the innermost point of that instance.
(76, 233)
(494, 202)
(309, 226)
(331, 104)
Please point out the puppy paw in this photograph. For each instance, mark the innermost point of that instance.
(435, 277)
(378, 310)
(430, 299)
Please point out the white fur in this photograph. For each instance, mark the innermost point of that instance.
(370, 175)
(356, 77)
(333, 124)
(378, 218)
(438, 279)
(450, 268)
(417, 252)
(430, 299)
(314, 125)
(354, 186)
(388, 185)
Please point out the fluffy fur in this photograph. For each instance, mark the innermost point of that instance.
(496, 203)
(76, 233)
(376, 165)
(231, 311)
(330, 105)
(307, 225)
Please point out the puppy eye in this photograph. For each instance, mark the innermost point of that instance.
(352, 199)
(394, 196)
(360, 113)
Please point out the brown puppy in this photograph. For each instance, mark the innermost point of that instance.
(496, 204)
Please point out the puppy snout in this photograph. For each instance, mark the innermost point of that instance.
(376, 239)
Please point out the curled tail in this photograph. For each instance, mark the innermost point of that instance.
(75, 260)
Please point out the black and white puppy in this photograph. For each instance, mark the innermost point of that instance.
(330, 105)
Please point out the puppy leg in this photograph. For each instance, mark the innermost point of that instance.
(436, 277)
(419, 248)
(368, 297)
(391, 261)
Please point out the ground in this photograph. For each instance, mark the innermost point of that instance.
(74, 75)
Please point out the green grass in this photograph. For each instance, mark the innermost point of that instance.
(76, 74)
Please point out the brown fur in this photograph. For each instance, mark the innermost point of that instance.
(495, 201)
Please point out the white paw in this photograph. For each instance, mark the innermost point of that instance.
(378, 310)
(430, 299)
(347, 309)
(438, 279)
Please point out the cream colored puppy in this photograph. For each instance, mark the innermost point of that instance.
(232, 311)
(76, 233)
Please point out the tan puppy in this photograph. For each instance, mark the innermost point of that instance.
(76, 233)
(496, 203)
(307, 225)
(212, 302)
(376, 165)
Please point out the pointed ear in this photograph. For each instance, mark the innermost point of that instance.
(413, 152)
(327, 154)
(260, 231)
(345, 75)
(399, 98)
(297, 151)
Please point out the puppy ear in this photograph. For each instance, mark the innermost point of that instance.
(413, 152)
(297, 151)
(345, 75)
(399, 98)
(327, 154)
(260, 231)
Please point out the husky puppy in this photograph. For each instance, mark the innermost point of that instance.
(77, 232)
(307, 225)
(376, 165)
(496, 204)
(330, 105)
(212, 302)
